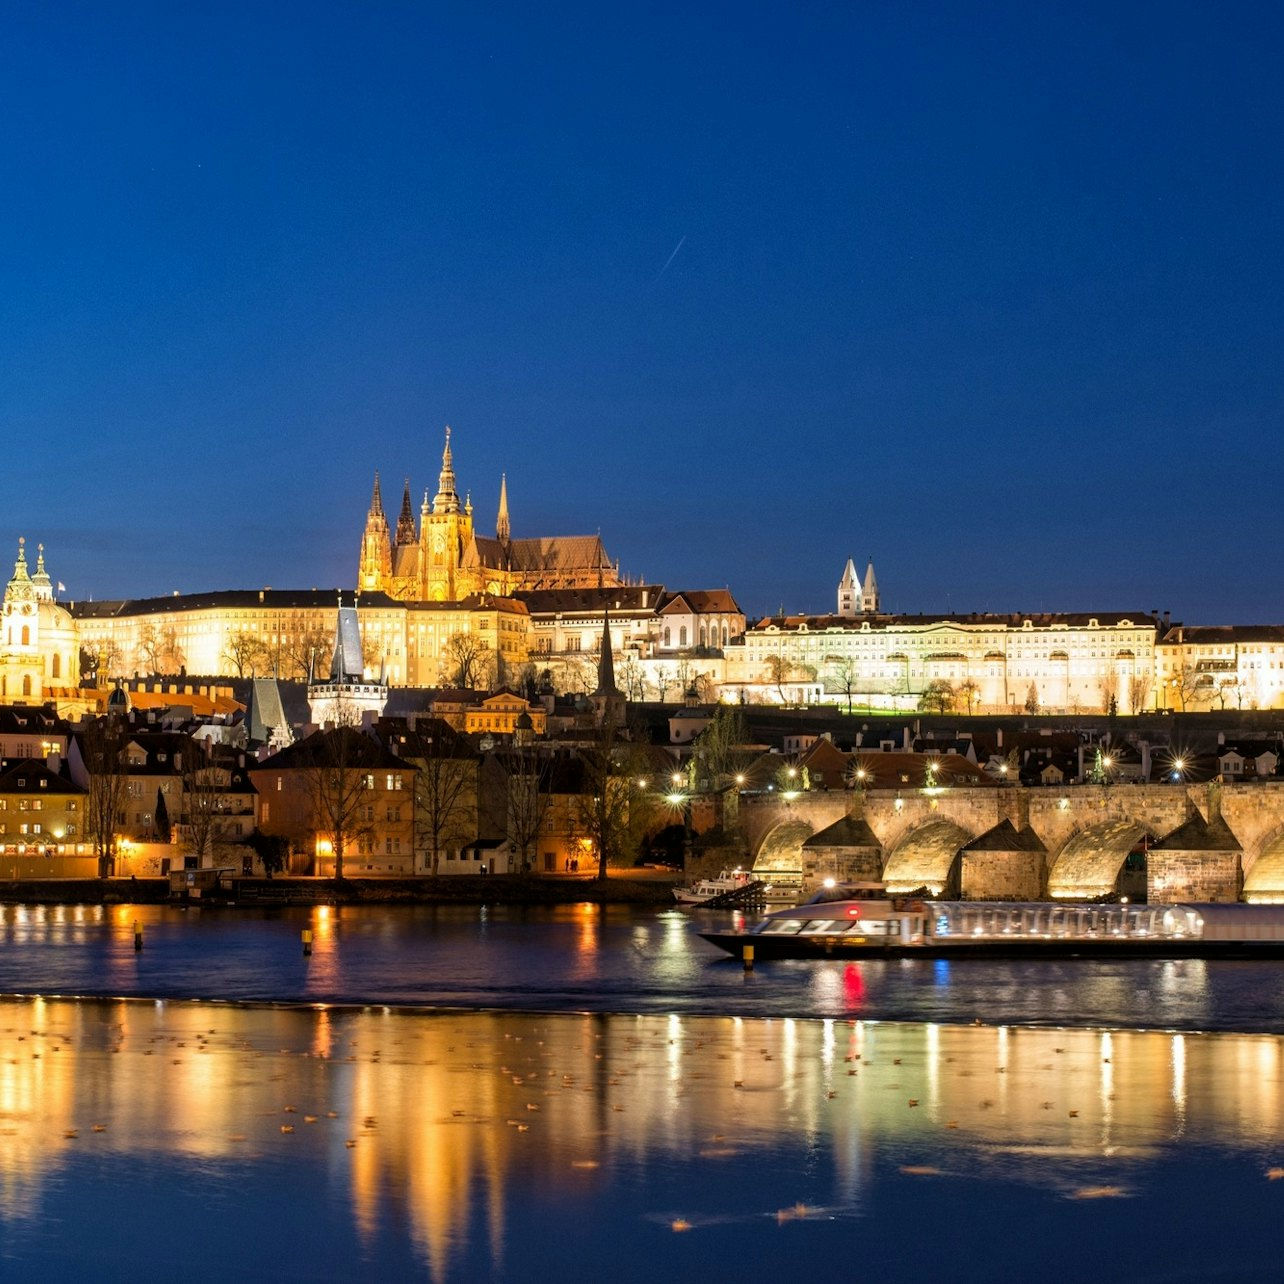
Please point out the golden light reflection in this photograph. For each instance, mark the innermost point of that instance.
(443, 1121)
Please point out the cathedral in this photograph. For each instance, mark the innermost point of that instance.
(39, 650)
(446, 560)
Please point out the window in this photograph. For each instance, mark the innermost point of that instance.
(265, 812)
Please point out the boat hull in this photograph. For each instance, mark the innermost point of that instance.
(767, 946)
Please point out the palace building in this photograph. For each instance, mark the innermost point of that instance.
(445, 559)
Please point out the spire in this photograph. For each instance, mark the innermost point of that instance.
(406, 522)
(869, 593)
(502, 531)
(375, 565)
(849, 591)
(606, 662)
(447, 499)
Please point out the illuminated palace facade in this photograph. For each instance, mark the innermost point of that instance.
(1055, 663)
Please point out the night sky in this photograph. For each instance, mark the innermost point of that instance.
(991, 293)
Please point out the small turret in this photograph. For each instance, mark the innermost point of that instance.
(447, 498)
(406, 521)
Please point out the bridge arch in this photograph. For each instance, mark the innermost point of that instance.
(1091, 861)
(927, 857)
(1264, 880)
(781, 851)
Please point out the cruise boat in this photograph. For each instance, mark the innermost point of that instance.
(707, 889)
(842, 922)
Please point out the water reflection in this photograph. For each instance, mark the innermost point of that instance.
(443, 1132)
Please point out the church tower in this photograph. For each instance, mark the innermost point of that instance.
(39, 647)
(375, 570)
(608, 699)
(869, 594)
(849, 592)
(444, 534)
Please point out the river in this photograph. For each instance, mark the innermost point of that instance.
(583, 1093)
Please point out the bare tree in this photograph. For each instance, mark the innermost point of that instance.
(243, 651)
(1138, 692)
(611, 811)
(529, 773)
(1032, 697)
(1108, 685)
(968, 694)
(467, 661)
(445, 787)
(169, 653)
(149, 649)
(632, 678)
(103, 743)
(204, 801)
(338, 781)
(664, 679)
(305, 652)
(846, 672)
(100, 660)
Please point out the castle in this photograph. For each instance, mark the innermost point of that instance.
(446, 560)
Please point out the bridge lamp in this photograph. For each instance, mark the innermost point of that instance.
(740, 780)
(642, 783)
(676, 777)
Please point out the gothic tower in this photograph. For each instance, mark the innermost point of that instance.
(375, 570)
(869, 594)
(443, 535)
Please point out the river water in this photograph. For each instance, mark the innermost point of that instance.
(585, 1093)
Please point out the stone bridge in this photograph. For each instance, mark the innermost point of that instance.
(1179, 842)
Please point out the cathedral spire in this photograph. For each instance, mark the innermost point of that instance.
(375, 564)
(502, 532)
(376, 500)
(447, 499)
(406, 522)
(606, 662)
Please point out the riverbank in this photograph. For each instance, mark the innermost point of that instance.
(497, 889)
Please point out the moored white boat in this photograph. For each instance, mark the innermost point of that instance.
(707, 889)
(838, 924)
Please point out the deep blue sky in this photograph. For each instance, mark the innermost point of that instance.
(992, 292)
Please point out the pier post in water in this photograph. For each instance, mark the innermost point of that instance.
(138, 936)
(307, 942)
(746, 953)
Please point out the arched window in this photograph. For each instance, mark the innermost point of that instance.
(682, 636)
(56, 669)
(26, 682)
(666, 636)
(724, 635)
(26, 635)
(704, 636)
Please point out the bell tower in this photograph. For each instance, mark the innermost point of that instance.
(444, 534)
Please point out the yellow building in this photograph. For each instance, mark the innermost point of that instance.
(291, 633)
(39, 650)
(446, 560)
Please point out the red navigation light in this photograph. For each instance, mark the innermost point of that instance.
(853, 911)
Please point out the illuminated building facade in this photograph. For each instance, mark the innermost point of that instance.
(446, 560)
(990, 663)
(39, 648)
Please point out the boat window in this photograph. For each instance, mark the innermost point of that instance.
(824, 927)
(782, 927)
